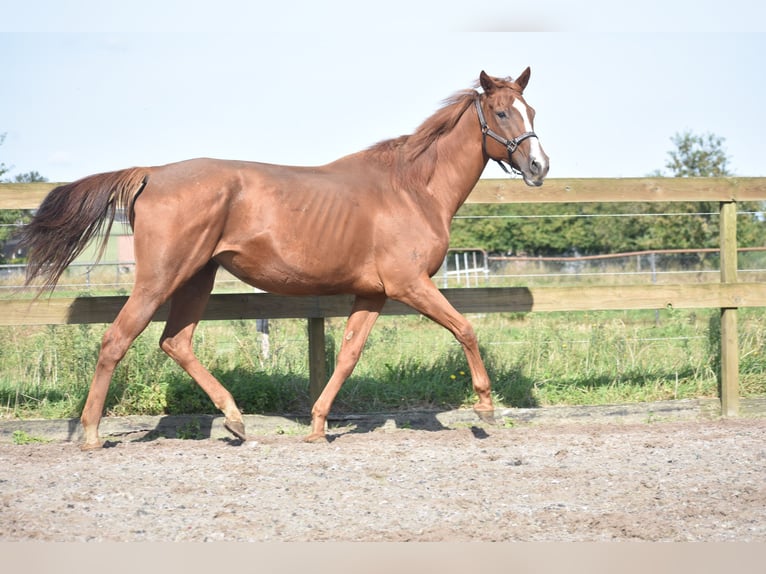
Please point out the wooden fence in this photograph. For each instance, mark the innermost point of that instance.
(727, 294)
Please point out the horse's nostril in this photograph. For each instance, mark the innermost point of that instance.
(534, 166)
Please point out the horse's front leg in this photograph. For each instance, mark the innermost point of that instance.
(427, 299)
(363, 316)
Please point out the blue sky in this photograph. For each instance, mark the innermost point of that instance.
(94, 86)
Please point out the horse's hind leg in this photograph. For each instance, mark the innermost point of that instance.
(186, 308)
(130, 322)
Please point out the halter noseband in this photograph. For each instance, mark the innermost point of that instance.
(510, 145)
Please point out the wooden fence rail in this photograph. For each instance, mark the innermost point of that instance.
(728, 294)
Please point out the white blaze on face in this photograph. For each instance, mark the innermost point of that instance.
(536, 152)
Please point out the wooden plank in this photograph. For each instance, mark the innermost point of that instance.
(606, 297)
(728, 242)
(62, 310)
(729, 338)
(24, 195)
(317, 357)
(56, 311)
(513, 190)
(270, 306)
(655, 189)
(729, 390)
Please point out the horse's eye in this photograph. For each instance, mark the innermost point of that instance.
(501, 115)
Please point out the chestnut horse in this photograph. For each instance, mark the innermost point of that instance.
(374, 224)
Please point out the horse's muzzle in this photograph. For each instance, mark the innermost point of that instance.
(535, 171)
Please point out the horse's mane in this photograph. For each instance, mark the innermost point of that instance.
(401, 153)
(440, 123)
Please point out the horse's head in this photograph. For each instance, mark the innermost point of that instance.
(507, 124)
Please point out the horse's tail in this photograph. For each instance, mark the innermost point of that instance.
(71, 215)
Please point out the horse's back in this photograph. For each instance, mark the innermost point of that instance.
(201, 176)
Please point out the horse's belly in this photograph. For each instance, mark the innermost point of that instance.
(300, 274)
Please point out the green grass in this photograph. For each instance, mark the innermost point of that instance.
(20, 437)
(533, 359)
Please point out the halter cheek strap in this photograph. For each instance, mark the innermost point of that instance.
(510, 145)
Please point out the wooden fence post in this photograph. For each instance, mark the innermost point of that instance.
(729, 338)
(317, 358)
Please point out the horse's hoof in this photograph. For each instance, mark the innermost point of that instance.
(486, 416)
(88, 446)
(315, 438)
(237, 428)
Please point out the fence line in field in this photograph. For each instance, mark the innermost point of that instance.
(728, 292)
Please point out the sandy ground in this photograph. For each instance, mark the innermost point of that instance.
(652, 481)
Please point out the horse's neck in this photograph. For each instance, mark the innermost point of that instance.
(460, 163)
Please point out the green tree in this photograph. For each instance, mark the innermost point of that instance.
(698, 155)
(550, 229)
(547, 230)
(702, 155)
(28, 177)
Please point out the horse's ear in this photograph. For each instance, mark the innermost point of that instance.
(523, 79)
(487, 82)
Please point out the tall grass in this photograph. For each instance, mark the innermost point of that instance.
(533, 359)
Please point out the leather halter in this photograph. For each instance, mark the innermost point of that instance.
(510, 145)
